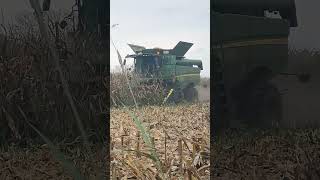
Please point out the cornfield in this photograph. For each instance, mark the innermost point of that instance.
(267, 155)
(151, 142)
(151, 94)
(41, 82)
(38, 162)
(30, 88)
(181, 139)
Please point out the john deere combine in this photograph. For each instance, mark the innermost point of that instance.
(250, 48)
(180, 75)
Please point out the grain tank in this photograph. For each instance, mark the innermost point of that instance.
(250, 48)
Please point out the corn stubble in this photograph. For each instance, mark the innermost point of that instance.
(179, 135)
(38, 162)
(267, 155)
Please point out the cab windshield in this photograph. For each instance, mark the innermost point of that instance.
(147, 65)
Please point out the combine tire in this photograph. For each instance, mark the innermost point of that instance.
(260, 106)
(268, 107)
(190, 94)
(176, 96)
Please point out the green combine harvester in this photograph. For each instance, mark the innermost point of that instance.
(170, 66)
(179, 75)
(250, 49)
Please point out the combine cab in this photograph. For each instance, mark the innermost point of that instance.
(170, 67)
(250, 48)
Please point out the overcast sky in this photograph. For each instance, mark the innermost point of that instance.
(163, 23)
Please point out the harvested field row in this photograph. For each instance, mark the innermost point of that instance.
(181, 138)
(38, 162)
(267, 155)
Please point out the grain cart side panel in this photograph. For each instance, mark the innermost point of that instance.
(244, 43)
(234, 27)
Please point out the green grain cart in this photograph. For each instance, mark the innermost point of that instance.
(250, 48)
(171, 67)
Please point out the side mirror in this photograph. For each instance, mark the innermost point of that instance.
(46, 5)
(124, 62)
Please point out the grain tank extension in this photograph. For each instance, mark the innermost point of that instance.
(250, 48)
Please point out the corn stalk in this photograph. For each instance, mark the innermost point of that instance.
(39, 14)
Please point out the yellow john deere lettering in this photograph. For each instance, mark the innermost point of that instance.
(283, 41)
(165, 99)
